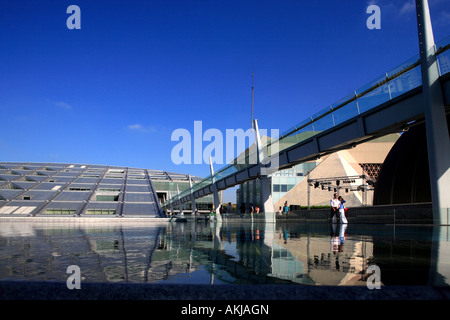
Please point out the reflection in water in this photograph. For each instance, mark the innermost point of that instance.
(230, 253)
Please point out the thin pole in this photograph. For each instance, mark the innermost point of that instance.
(253, 74)
(438, 142)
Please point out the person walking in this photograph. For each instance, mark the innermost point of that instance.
(342, 217)
(335, 204)
(286, 208)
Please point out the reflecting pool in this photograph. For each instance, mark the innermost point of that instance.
(230, 252)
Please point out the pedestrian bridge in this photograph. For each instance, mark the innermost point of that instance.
(391, 103)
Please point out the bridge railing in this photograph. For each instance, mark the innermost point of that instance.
(402, 79)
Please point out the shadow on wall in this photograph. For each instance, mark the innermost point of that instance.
(404, 176)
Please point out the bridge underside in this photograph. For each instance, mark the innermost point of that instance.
(405, 176)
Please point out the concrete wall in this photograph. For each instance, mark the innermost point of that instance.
(391, 214)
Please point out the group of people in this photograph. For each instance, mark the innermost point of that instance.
(251, 208)
(226, 210)
(338, 207)
(284, 210)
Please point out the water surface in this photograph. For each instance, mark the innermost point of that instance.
(238, 252)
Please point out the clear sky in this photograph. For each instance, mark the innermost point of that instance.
(113, 92)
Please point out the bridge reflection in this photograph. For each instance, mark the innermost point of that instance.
(225, 252)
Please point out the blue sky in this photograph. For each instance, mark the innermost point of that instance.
(113, 92)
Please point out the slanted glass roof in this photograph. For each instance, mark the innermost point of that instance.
(30, 188)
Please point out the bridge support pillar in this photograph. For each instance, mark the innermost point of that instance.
(266, 182)
(194, 207)
(216, 198)
(435, 119)
(266, 199)
(171, 204)
(180, 207)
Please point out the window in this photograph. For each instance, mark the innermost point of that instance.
(284, 188)
(79, 189)
(105, 197)
(136, 177)
(116, 171)
(276, 188)
(26, 198)
(25, 210)
(109, 189)
(60, 211)
(101, 211)
(17, 209)
(111, 176)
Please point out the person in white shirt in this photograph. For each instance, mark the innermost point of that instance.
(343, 219)
(334, 203)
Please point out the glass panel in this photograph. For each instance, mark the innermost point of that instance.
(406, 82)
(320, 113)
(286, 142)
(299, 125)
(228, 170)
(296, 137)
(373, 98)
(443, 43)
(323, 124)
(342, 101)
(107, 198)
(371, 84)
(403, 66)
(346, 112)
(444, 62)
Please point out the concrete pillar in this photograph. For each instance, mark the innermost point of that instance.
(247, 195)
(254, 192)
(435, 119)
(241, 197)
(180, 207)
(266, 183)
(170, 201)
(194, 207)
(266, 198)
(216, 198)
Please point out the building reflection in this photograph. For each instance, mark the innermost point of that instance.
(222, 252)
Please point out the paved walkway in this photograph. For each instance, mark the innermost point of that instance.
(21, 290)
